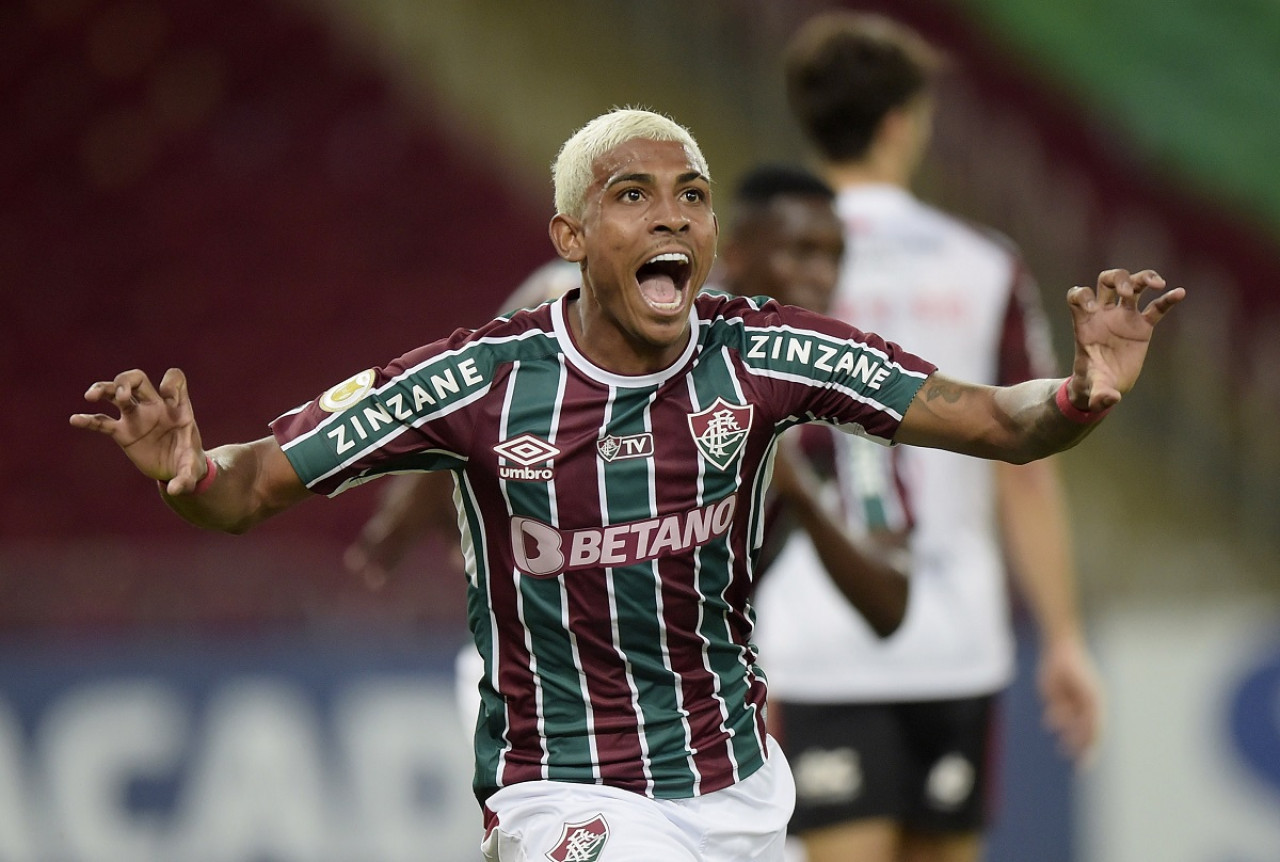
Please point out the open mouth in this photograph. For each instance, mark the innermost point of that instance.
(663, 280)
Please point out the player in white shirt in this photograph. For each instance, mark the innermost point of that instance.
(890, 739)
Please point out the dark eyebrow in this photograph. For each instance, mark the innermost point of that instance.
(643, 179)
(649, 179)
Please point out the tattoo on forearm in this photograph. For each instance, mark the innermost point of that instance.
(947, 390)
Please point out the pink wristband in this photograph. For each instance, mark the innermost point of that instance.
(1075, 414)
(203, 484)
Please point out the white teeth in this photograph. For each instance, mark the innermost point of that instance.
(672, 256)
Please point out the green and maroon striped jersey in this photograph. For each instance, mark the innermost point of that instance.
(610, 523)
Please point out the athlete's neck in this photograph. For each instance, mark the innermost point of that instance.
(611, 347)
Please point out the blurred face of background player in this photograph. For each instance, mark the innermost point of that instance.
(789, 249)
(647, 237)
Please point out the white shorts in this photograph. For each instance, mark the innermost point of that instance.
(564, 822)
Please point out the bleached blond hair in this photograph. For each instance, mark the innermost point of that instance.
(571, 172)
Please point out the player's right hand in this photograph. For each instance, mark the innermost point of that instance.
(155, 427)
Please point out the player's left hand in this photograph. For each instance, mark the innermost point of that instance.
(1112, 334)
(1072, 696)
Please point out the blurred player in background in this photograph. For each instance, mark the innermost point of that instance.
(415, 505)
(891, 740)
(783, 240)
(613, 449)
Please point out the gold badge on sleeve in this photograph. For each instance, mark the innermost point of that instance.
(348, 392)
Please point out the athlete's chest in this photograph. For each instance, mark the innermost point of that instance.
(631, 451)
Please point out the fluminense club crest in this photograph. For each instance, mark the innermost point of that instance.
(720, 431)
(581, 842)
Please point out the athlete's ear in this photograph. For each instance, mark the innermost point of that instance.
(566, 236)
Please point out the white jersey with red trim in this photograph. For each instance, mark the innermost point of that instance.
(936, 285)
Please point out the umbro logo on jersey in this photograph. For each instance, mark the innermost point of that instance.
(527, 451)
(581, 842)
(613, 448)
(720, 431)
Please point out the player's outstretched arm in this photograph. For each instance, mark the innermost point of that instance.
(870, 573)
(1031, 420)
(230, 488)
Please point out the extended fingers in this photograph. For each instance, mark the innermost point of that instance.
(130, 388)
(124, 392)
(1130, 288)
(103, 390)
(1121, 287)
(1148, 278)
(1081, 300)
(1109, 282)
(92, 422)
(1160, 306)
(119, 391)
(173, 387)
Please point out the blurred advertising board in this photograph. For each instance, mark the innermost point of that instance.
(258, 749)
(1190, 771)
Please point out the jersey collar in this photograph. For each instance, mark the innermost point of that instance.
(579, 360)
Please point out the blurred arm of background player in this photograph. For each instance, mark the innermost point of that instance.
(785, 240)
(871, 574)
(1033, 514)
(415, 505)
(411, 507)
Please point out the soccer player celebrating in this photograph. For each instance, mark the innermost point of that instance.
(612, 450)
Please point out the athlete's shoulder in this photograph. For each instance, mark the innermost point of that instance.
(745, 323)
(521, 322)
(714, 302)
(723, 313)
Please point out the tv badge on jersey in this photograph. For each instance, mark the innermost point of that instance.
(581, 842)
(528, 452)
(720, 431)
(613, 448)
